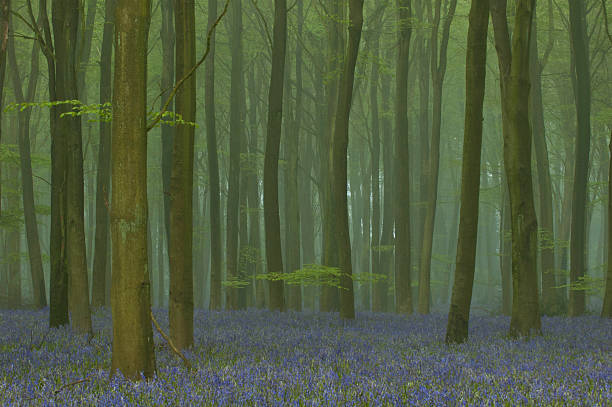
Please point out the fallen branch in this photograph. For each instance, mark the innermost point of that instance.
(167, 338)
(69, 385)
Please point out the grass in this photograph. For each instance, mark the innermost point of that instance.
(262, 358)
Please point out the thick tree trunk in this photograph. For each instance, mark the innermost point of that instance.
(275, 117)
(65, 25)
(580, 54)
(505, 243)
(476, 62)
(27, 181)
(606, 309)
(403, 265)
(514, 72)
(438, 71)
(180, 303)
(103, 176)
(133, 352)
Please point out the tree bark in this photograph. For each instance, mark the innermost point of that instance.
(236, 125)
(438, 71)
(180, 303)
(403, 266)
(5, 6)
(65, 19)
(582, 75)
(13, 234)
(103, 177)
(339, 150)
(475, 71)
(27, 181)
(275, 117)
(514, 71)
(606, 309)
(133, 352)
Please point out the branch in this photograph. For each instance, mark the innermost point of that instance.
(605, 16)
(167, 338)
(192, 70)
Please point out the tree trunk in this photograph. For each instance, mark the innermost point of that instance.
(475, 69)
(373, 247)
(133, 352)
(5, 6)
(236, 125)
(168, 37)
(294, 261)
(103, 176)
(254, 203)
(606, 309)
(403, 266)
(27, 181)
(275, 117)
(213, 167)
(13, 233)
(180, 303)
(547, 238)
(65, 19)
(438, 71)
(339, 150)
(506, 250)
(582, 75)
(514, 71)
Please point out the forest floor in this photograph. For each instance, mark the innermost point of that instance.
(265, 358)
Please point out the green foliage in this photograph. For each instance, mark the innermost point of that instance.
(590, 285)
(319, 275)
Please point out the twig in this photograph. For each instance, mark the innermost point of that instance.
(69, 385)
(192, 70)
(167, 338)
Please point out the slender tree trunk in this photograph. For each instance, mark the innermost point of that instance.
(27, 181)
(374, 246)
(65, 25)
(476, 60)
(403, 266)
(13, 234)
(213, 167)
(339, 150)
(236, 130)
(275, 117)
(254, 201)
(5, 6)
(329, 299)
(367, 252)
(547, 238)
(133, 352)
(514, 71)
(161, 261)
(580, 54)
(180, 303)
(385, 249)
(294, 260)
(168, 38)
(103, 177)
(438, 71)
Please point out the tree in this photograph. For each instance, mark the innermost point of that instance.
(475, 73)
(582, 80)
(132, 333)
(65, 18)
(513, 58)
(27, 181)
(98, 297)
(438, 71)
(339, 148)
(213, 167)
(402, 169)
(236, 125)
(180, 312)
(5, 6)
